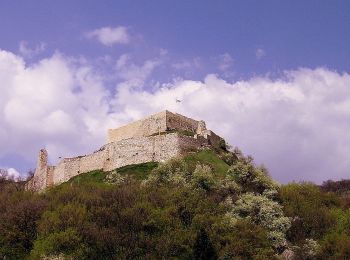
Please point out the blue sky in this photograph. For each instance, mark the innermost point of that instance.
(292, 33)
(280, 70)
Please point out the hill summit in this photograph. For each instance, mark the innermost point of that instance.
(156, 138)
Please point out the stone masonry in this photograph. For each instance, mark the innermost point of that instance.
(158, 138)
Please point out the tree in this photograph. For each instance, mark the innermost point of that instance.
(265, 212)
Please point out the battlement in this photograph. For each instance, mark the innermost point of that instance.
(158, 138)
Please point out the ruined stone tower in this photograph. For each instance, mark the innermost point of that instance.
(158, 137)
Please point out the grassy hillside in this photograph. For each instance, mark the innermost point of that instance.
(208, 157)
(139, 171)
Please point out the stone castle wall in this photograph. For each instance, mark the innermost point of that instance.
(115, 155)
(140, 150)
(50, 175)
(213, 138)
(160, 122)
(180, 122)
(144, 127)
(70, 167)
(140, 142)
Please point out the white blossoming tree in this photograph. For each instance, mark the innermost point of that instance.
(263, 211)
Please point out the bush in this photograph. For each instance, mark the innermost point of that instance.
(264, 212)
(248, 241)
(251, 178)
(67, 243)
(19, 214)
(335, 246)
(310, 210)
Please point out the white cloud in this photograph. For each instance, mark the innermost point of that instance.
(260, 53)
(13, 174)
(54, 103)
(134, 75)
(10, 174)
(28, 52)
(296, 125)
(110, 35)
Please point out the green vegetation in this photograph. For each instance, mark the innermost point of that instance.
(202, 206)
(97, 176)
(207, 157)
(181, 132)
(139, 171)
(318, 216)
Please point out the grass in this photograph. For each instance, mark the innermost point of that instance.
(97, 176)
(139, 171)
(210, 158)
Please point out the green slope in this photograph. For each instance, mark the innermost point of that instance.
(139, 171)
(207, 157)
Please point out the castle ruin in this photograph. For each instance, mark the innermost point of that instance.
(156, 138)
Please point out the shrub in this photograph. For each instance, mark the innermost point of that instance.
(310, 210)
(251, 178)
(265, 212)
(247, 241)
(335, 246)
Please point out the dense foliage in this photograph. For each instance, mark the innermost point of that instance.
(203, 206)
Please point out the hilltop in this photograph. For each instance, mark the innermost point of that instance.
(166, 187)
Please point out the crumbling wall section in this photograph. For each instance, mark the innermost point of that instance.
(39, 180)
(160, 122)
(190, 144)
(144, 127)
(180, 122)
(213, 138)
(49, 175)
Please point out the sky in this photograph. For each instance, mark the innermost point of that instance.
(272, 77)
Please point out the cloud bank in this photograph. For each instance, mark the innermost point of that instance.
(297, 125)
